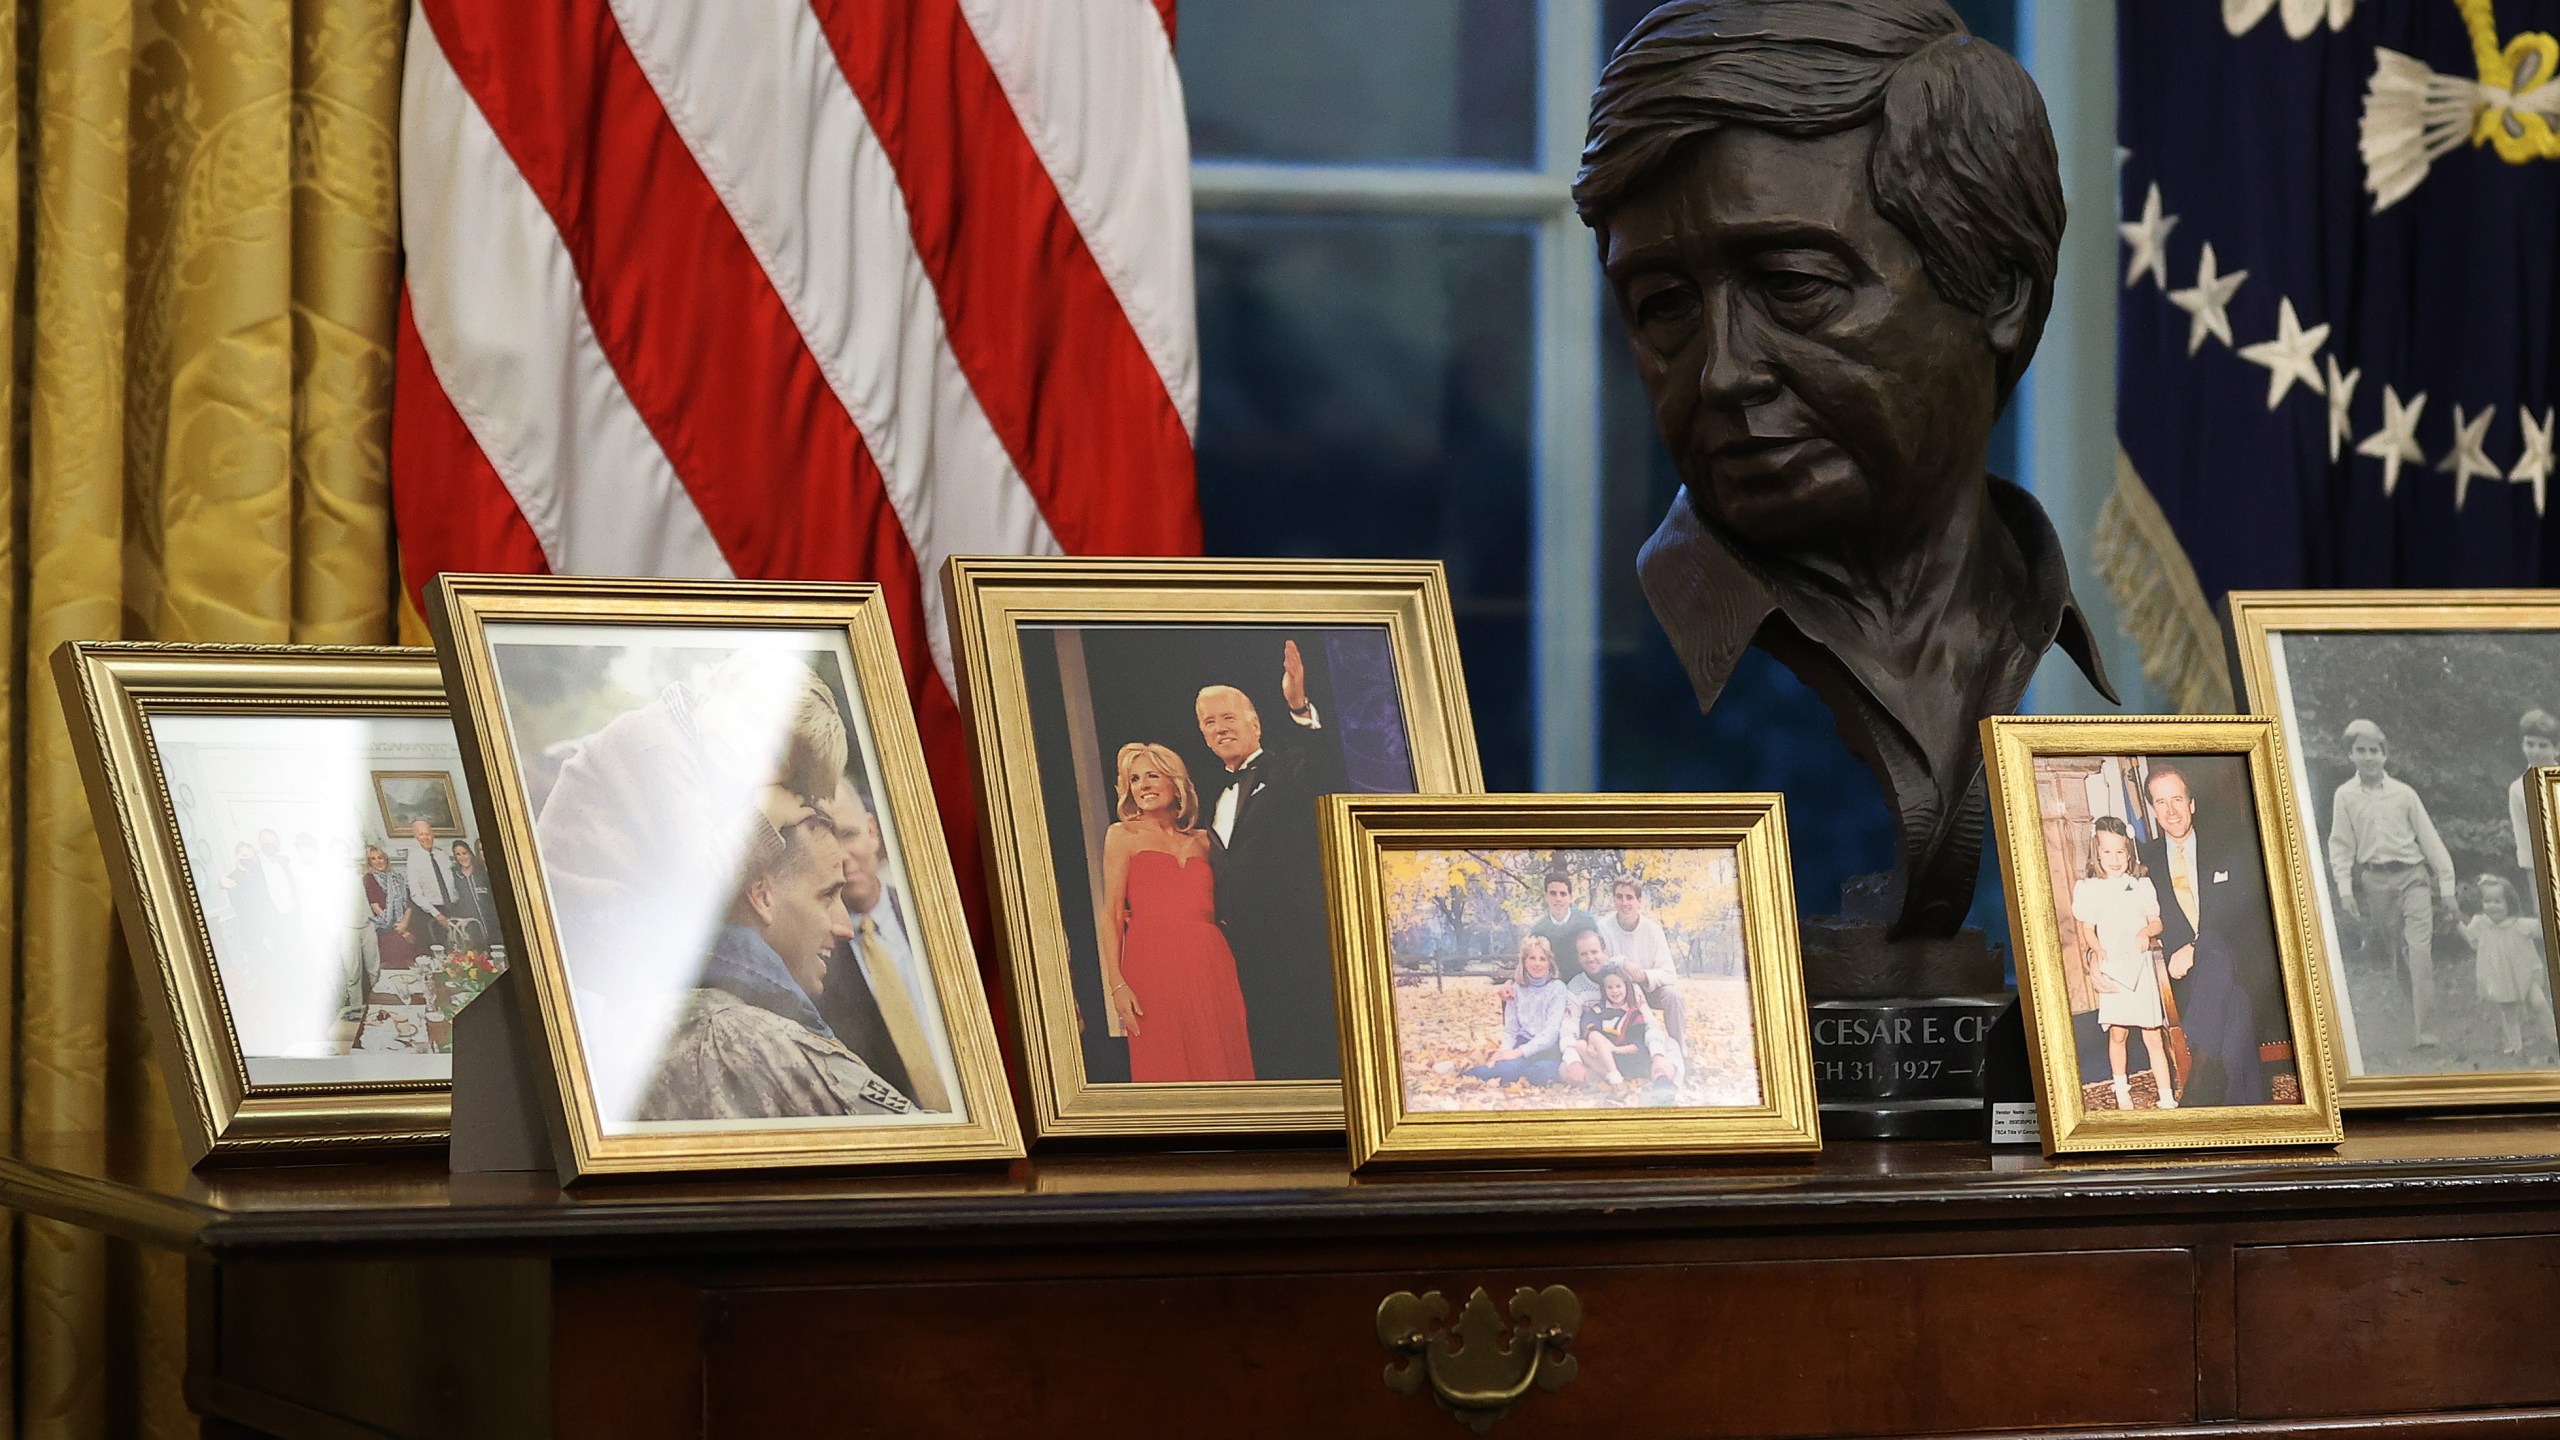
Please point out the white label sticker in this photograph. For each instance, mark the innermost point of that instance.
(2013, 1123)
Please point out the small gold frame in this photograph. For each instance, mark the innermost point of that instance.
(990, 600)
(1383, 1134)
(111, 691)
(382, 801)
(2012, 745)
(461, 608)
(2254, 620)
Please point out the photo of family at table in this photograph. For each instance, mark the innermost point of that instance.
(1572, 979)
(2159, 892)
(340, 874)
(1184, 763)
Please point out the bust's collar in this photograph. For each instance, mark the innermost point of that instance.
(1713, 600)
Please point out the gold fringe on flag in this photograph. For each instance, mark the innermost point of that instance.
(2161, 603)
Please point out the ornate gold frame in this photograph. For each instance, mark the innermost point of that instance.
(1357, 829)
(990, 600)
(110, 692)
(2253, 618)
(2012, 744)
(2542, 804)
(460, 609)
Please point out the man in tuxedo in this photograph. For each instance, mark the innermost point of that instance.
(1270, 870)
(879, 997)
(2218, 930)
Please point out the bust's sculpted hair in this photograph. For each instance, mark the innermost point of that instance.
(1963, 165)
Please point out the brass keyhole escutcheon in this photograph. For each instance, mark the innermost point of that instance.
(1481, 1366)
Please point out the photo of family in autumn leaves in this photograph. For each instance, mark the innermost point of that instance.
(1570, 979)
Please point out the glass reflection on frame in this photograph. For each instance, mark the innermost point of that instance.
(300, 952)
(344, 942)
(742, 939)
(726, 885)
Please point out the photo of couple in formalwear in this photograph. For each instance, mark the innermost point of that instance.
(1196, 756)
(2160, 879)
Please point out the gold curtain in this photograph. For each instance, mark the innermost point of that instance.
(202, 227)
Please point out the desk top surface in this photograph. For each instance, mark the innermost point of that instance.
(281, 1211)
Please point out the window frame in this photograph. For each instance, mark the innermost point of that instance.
(1565, 462)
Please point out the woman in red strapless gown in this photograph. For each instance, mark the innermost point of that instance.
(1171, 976)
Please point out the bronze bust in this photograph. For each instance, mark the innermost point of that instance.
(1831, 227)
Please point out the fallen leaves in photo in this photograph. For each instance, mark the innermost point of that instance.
(1441, 1030)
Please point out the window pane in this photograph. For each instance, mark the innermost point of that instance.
(1356, 80)
(1366, 392)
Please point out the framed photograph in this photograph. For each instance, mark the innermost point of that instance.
(1538, 979)
(408, 797)
(302, 954)
(738, 921)
(2155, 876)
(2410, 718)
(1151, 737)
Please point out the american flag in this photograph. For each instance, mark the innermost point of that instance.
(805, 289)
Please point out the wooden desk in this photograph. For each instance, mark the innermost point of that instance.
(2404, 1285)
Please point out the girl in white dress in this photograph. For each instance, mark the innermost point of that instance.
(2506, 953)
(2118, 913)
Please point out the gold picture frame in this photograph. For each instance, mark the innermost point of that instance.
(992, 601)
(115, 696)
(2030, 810)
(452, 805)
(2542, 798)
(2262, 626)
(1371, 841)
(474, 617)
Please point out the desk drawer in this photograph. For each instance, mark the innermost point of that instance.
(1848, 1347)
(2404, 1325)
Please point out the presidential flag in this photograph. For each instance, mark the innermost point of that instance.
(795, 289)
(2337, 311)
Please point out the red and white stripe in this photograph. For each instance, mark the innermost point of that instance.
(811, 289)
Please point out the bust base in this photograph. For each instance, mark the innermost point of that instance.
(1951, 1119)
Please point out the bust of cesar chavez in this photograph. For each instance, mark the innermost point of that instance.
(1830, 226)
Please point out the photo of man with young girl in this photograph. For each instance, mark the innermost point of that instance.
(2159, 891)
(1563, 980)
(1181, 765)
(2409, 752)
